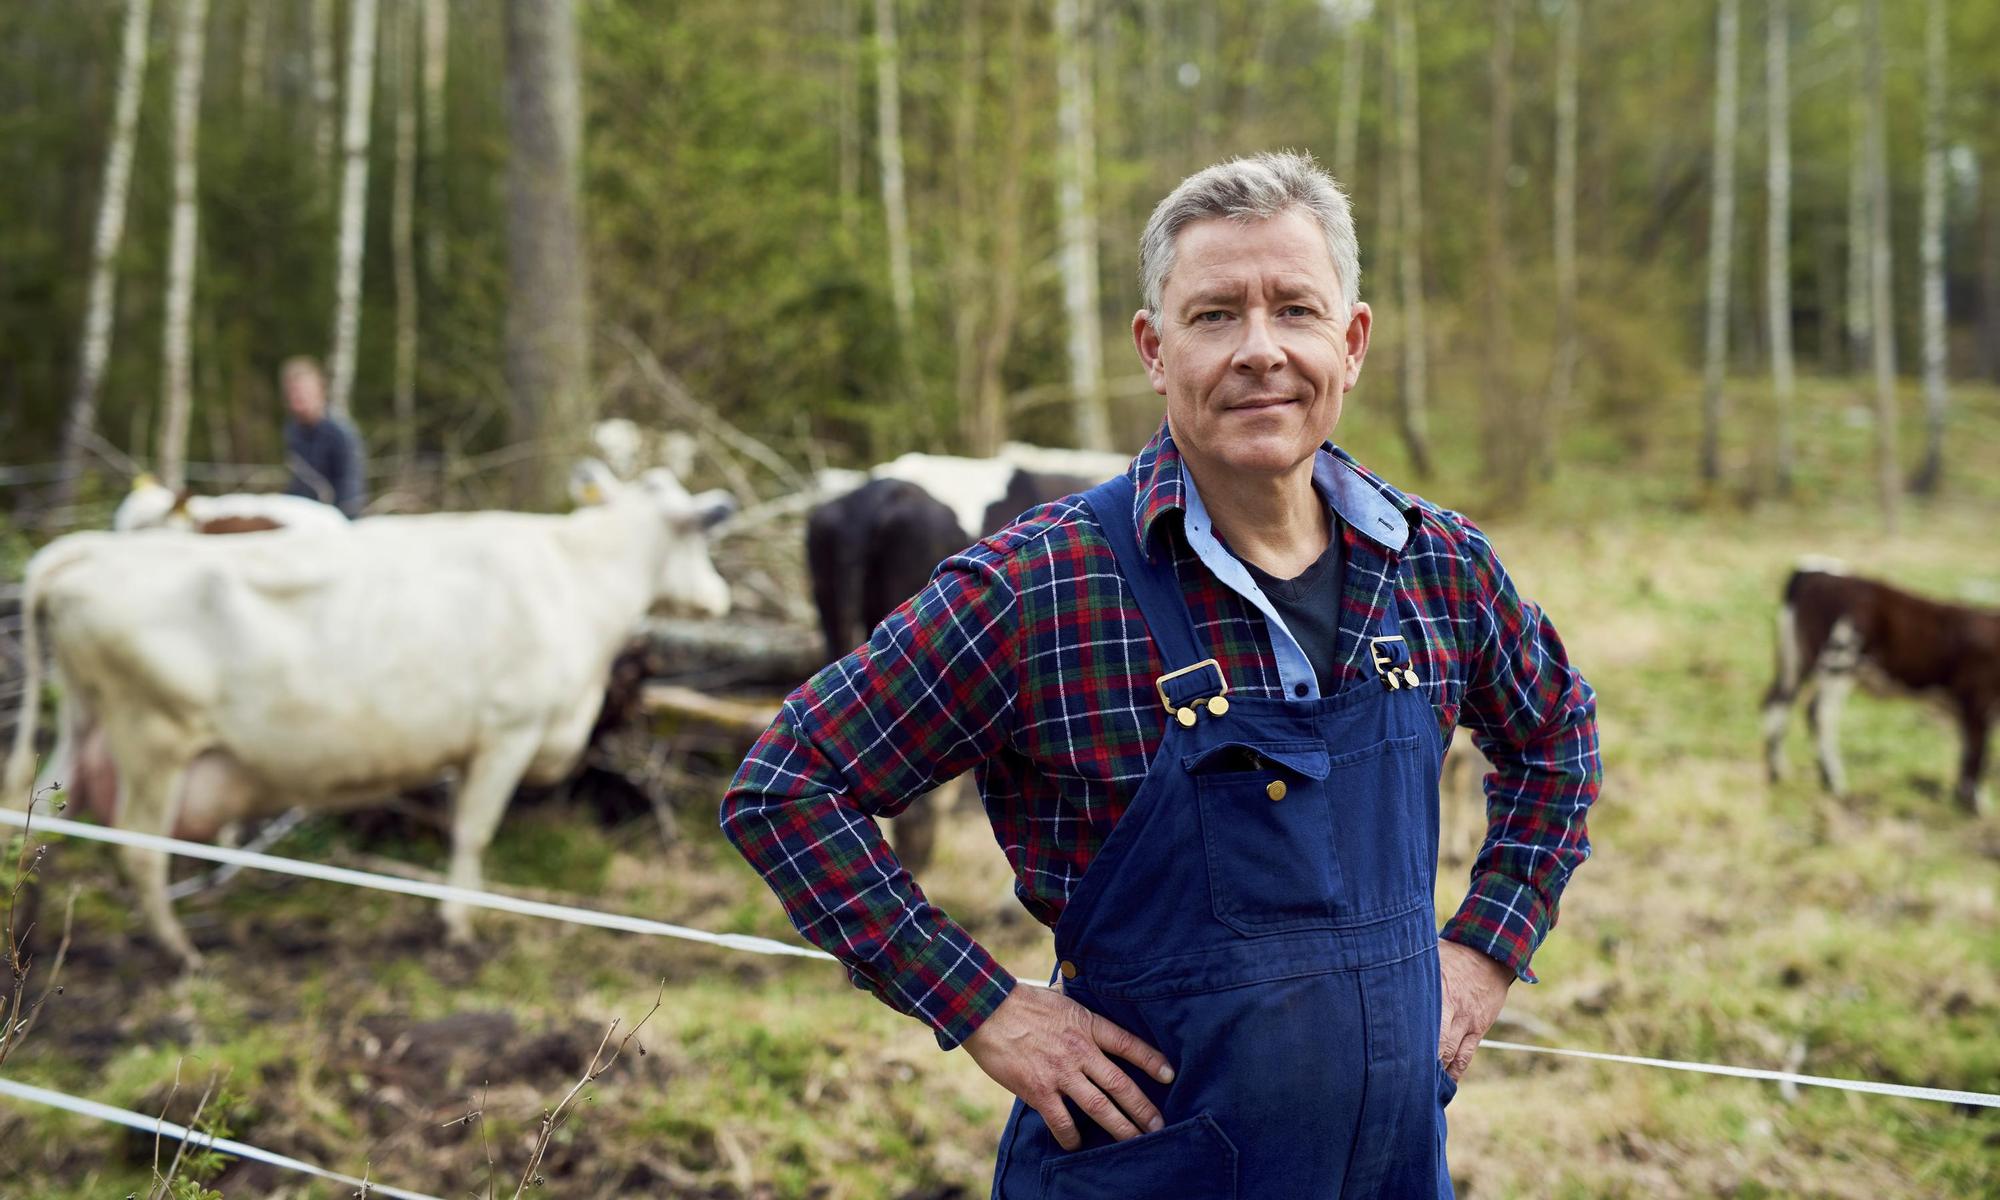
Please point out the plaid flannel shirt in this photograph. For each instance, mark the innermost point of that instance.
(1026, 660)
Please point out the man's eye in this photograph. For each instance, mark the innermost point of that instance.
(1213, 316)
(1295, 310)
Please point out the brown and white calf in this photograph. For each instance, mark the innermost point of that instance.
(1836, 628)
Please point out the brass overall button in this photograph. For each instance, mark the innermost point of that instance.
(1275, 789)
(1068, 969)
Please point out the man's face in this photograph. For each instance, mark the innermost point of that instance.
(305, 397)
(1255, 349)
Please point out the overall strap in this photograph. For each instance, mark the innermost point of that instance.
(1153, 584)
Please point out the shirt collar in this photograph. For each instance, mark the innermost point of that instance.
(1371, 507)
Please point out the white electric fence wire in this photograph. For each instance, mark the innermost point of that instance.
(195, 1137)
(760, 945)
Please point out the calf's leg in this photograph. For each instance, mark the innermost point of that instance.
(1977, 726)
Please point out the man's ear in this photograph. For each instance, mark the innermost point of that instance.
(1360, 323)
(1146, 339)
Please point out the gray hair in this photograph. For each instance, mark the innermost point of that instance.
(1251, 189)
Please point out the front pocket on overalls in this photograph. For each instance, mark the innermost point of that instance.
(1188, 1160)
(1267, 835)
(1383, 820)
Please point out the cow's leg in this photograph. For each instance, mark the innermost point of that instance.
(146, 805)
(1795, 665)
(1977, 726)
(1826, 705)
(915, 831)
(482, 797)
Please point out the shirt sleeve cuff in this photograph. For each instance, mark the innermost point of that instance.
(952, 984)
(1504, 919)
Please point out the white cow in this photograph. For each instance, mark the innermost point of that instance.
(152, 505)
(235, 677)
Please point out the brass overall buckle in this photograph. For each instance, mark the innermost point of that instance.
(1396, 675)
(1215, 704)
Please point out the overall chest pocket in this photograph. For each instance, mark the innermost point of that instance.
(1266, 831)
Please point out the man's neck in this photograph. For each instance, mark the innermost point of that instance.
(1278, 523)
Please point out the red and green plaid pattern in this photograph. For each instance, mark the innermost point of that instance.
(1027, 661)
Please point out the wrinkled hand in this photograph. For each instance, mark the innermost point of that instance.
(1475, 989)
(1043, 1046)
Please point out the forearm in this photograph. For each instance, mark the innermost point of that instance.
(1536, 804)
(844, 890)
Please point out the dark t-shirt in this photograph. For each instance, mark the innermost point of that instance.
(1310, 604)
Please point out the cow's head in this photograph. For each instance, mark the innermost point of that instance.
(688, 580)
(150, 505)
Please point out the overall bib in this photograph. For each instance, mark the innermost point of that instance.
(1262, 913)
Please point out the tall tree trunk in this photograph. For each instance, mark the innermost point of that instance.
(1859, 247)
(324, 97)
(895, 207)
(1347, 121)
(353, 203)
(1509, 430)
(971, 280)
(1562, 378)
(402, 228)
(847, 115)
(1721, 238)
(1077, 166)
(1989, 269)
(176, 398)
(1936, 398)
(990, 418)
(98, 309)
(548, 346)
(1778, 228)
(1414, 410)
(437, 67)
(256, 35)
(1883, 332)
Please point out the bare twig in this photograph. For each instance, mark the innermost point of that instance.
(677, 395)
(17, 1014)
(599, 1064)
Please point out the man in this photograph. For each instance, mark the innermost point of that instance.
(1206, 702)
(322, 449)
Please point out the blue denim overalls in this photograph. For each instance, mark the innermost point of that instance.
(1262, 913)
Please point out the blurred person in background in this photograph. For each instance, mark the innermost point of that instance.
(323, 449)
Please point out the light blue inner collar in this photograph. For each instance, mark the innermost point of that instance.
(1349, 495)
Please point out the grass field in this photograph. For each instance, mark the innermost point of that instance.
(1722, 919)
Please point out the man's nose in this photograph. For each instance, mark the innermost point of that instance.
(1259, 352)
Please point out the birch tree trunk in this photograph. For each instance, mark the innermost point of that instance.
(1883, 332)
(990, 416)
(437, 64)
(176, 388)
(895, 207)
(1508, 429)
(353, 203)
(402, 45)
(98, 309)
(1347, 121)
(324, 96)
(1414, 410)
(969, 282)
(1563, 378)
(1989, 270)
(1936, 398)
(1859, 249)
(1778, 228)
(548, 346)
(1721, 236)
(847, 116)
(1079, 228)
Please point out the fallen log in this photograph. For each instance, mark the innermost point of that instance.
(737, 716)
(735, 653)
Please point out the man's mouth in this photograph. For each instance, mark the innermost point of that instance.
(1257, 402)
